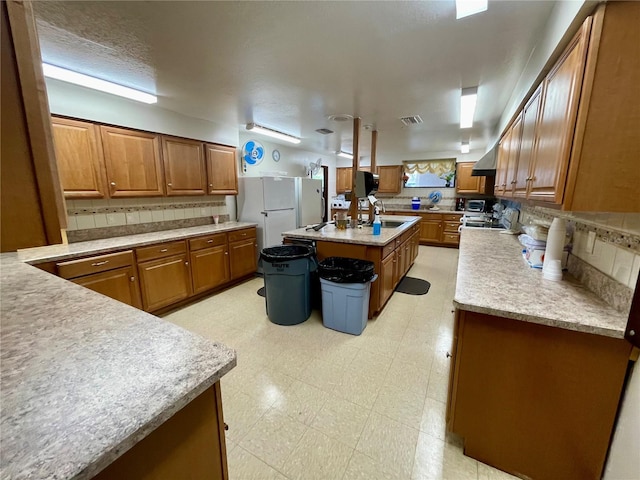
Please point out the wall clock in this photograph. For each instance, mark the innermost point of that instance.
(275, 155)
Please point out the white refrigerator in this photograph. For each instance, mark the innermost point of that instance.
(309, 201)
(271, 203)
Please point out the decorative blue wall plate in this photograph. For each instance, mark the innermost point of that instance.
(252, 152)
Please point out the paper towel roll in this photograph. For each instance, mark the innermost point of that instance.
(554, 248)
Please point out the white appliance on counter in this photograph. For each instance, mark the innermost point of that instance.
(271, 203)
(309, 201)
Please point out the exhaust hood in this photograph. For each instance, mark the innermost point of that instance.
(486, 166)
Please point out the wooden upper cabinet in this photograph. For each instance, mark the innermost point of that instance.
(221, 170)
(343, 179)
(132, 159)
(465, 183)
(390, 179)
(502, 162)
(526, 159)
(509, 180)
(557, 121)
(184, 166)
(79, 158)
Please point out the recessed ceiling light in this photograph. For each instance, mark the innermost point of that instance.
(341, 117)
(468, 101)
(464, 8)
(83, 80)
(368, 126)
(464, 147)
(272, 133)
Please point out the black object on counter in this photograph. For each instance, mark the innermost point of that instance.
(346, 270)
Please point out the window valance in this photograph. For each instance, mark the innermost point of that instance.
(439, 167)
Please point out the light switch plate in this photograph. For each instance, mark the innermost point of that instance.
(591, 242)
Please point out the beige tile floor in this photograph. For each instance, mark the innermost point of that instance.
(306, 402)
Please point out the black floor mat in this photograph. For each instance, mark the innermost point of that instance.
(413, 286)
(261, 291)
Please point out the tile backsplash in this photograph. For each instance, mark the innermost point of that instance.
(404, 198)
(103, 214)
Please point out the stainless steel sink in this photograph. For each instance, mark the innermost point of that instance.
(389, 224)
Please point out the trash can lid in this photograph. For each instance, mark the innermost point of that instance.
(346, 270)
(283, 253)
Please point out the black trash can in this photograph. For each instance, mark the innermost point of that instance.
(287, 282)
(346, 285)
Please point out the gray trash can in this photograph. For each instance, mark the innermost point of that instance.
(346, 285)
(287, 282)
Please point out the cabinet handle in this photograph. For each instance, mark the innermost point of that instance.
(209, 241)
(504, 184)
(211, 185)
(169, 185)
(186, 263)
(113, 184)
(226, 253)
(133, 279)
(256, 244)
(164, 250)
(97, 264)
(513, 182)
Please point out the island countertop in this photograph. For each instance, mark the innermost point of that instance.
(493, 278)
(359, 236)
(84, 377)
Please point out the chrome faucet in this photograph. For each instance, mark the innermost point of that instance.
(382, 209)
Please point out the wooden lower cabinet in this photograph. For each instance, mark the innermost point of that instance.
(431, 229)
(164, 281)
(533, 400)
(210, 268)
(386, 277)
(243, 258)
(120, 284)
(190, 444)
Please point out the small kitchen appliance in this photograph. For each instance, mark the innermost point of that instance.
(366, 184)
(460, 204)
(475, 206)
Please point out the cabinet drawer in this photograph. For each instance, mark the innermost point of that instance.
(451, 217)
(242, 234)
(87, 266)
(208, 241)
(161, 250)
(388, 249)
(453, 238)
(451, 227)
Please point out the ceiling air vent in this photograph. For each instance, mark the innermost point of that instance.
(413, 120)
(324, 131)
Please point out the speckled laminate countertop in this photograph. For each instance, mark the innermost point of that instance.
(84, 377)
(360, 236)
(62, 252)
(493, 278)
(408, 209)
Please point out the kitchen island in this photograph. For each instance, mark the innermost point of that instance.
(392, 252)
(91, 386)
(538, 366)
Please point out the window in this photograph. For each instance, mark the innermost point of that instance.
(440, 172)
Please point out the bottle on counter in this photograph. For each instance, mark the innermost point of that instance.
(377, 224)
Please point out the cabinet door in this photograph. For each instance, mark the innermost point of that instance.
(120, 284)
(557, 121)
(530, 117)
(465, 183)
(398, 272)
(408, 258)
(510, 173)
(387, 277)
(390, 179)
(79, 158)
(164, 281)
(210, 268)
(243, 258)
(184, 168)
(222, 170)
(502, 161)
(430, 230)
(343, 179)
(133, 162)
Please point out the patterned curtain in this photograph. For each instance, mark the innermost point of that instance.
(439, 167)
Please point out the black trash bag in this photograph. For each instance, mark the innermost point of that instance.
(346, 270)
(283, 253)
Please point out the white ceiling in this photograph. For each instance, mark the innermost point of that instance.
(289, 65)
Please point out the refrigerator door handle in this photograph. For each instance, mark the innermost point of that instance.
(323, 207)
(266, 214)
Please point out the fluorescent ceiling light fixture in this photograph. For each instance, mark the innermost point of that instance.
(345, 155)
(464, 8)
(468, 106)
(76, 78)
(464, 147)
(272, 133)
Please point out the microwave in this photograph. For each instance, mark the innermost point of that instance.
(475, 205)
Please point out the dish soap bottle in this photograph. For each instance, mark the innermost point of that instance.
(377, 224)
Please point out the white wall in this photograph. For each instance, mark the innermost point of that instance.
(292, 163)
(84, 103)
